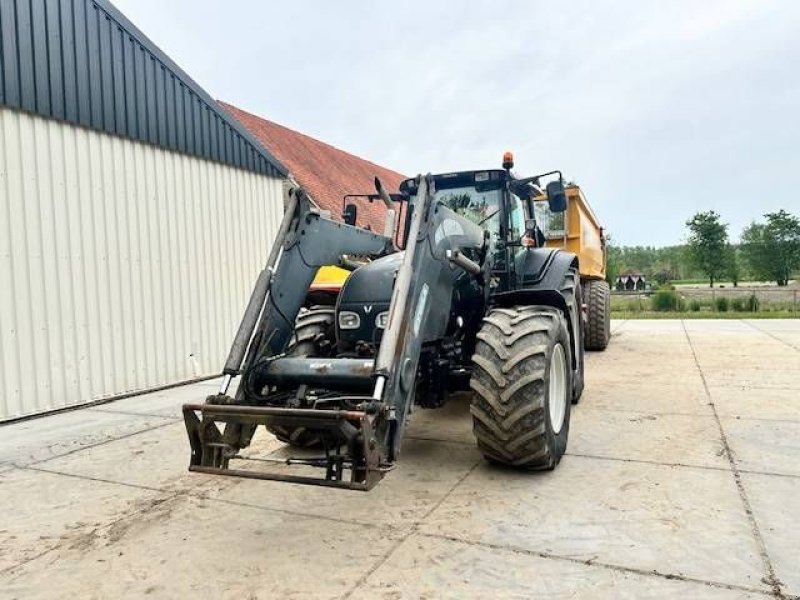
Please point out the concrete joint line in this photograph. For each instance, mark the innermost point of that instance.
(196, 491)
(677, 465)
(420, 438)
(640, 412)
(102, 443)
(600, 565)
(773, 336)
(619, 327)
(769, 578)
(412, 530)
(90, 478)
(292, 513)
(646, 462)
(129, 413)
(769, 473)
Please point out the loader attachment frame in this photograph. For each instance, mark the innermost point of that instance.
(210, 453)
(361, 416)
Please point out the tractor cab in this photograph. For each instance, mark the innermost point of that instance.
(476, 195)
(499, 203)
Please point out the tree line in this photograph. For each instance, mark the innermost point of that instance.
(767, 250)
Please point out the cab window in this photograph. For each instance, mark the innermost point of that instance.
(516, 218)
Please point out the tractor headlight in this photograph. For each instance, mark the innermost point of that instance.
(382, 320)
(349, 320)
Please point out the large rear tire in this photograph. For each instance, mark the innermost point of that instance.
(522, 383)
(313, 327)
(597, 295)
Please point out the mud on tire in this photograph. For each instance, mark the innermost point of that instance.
(511, 404)
(311, 325)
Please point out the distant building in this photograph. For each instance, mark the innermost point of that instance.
(630, 281)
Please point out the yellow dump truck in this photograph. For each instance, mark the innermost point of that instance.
(577, 230)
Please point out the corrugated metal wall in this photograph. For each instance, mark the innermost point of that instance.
(123, 266)
(82, 61)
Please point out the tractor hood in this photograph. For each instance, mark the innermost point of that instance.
(373, 281)
(366, 293)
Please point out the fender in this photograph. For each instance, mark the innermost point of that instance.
(539, 275)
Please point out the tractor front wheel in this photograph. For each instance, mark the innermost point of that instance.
(522, 382)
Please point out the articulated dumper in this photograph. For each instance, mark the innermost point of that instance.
(577, 230)
(461, 296)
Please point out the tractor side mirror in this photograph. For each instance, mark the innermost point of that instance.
(556, 197)
(350, 214)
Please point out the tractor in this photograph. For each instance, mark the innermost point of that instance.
(464, 297)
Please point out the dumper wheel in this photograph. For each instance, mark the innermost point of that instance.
(597, 295)
(522, 384)
(313, 330)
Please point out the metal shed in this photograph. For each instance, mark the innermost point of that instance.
(129, 207)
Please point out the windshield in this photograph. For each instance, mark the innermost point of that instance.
(475, 195)
(482, 208)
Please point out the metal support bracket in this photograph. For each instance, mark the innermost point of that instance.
(350, 429)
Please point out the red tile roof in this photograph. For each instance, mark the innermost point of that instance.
(325, 172)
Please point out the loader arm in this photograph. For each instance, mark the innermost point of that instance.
(419, 311)
(362, 413)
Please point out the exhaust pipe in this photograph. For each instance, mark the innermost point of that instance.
(391, 213)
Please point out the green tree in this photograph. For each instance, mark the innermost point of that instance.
(663, 275)
(772, 249)
(708, 238)
(612, 263)
(732, 264)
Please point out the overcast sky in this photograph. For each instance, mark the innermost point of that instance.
(658, 109)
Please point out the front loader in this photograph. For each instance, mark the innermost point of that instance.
(467, 302)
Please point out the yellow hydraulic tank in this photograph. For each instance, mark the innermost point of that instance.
(330, 278)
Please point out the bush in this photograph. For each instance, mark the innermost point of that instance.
(752, 303)
(634, 306)
(630, 305)
(666, 300)
(722, 304)
(738, 305)
(694, 306)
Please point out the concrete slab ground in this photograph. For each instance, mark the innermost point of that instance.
(681, 479)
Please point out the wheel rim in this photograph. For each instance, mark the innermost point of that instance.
(558, 388)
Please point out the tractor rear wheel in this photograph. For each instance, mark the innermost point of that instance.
(313, 328)
(522, 382)
(597, 296)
